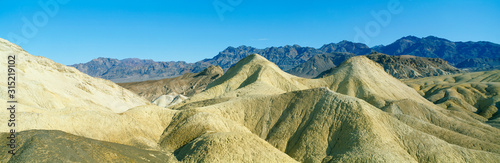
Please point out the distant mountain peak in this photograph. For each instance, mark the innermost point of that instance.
(435, 38)
(410, 37)
(104, 59)
(346, 42)
(346, 46)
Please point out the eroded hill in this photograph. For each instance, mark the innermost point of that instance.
(401, 67)
(477, 93)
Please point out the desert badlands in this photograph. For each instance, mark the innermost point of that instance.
(254, 112)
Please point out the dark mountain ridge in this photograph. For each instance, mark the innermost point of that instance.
(401, 67)
(472, 56)
(434, 47)
(133, 69)
(286, 57)
(319, 63)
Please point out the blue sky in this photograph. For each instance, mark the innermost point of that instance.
(76, 31)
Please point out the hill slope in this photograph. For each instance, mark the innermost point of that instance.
(480, 64)
(57, 146)
(52, 96)
(253, 75)
(319, 125)
(187, 84)
(286, 57)
(42, 79)
(471, 92)
(310, 124)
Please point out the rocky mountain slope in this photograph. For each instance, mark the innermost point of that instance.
(346, 47)
(319, 63)
(132, 69)
(255, 112)
(44, 85)
(286, 57)
(406, 66)
(434, 47)
(479, 64)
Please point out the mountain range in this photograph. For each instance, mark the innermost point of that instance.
(471, 56)
(434, 47)
(133, 69)
(286, 57)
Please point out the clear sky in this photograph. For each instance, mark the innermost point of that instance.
(76, 31)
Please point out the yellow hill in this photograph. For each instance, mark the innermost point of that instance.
(52, 96)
